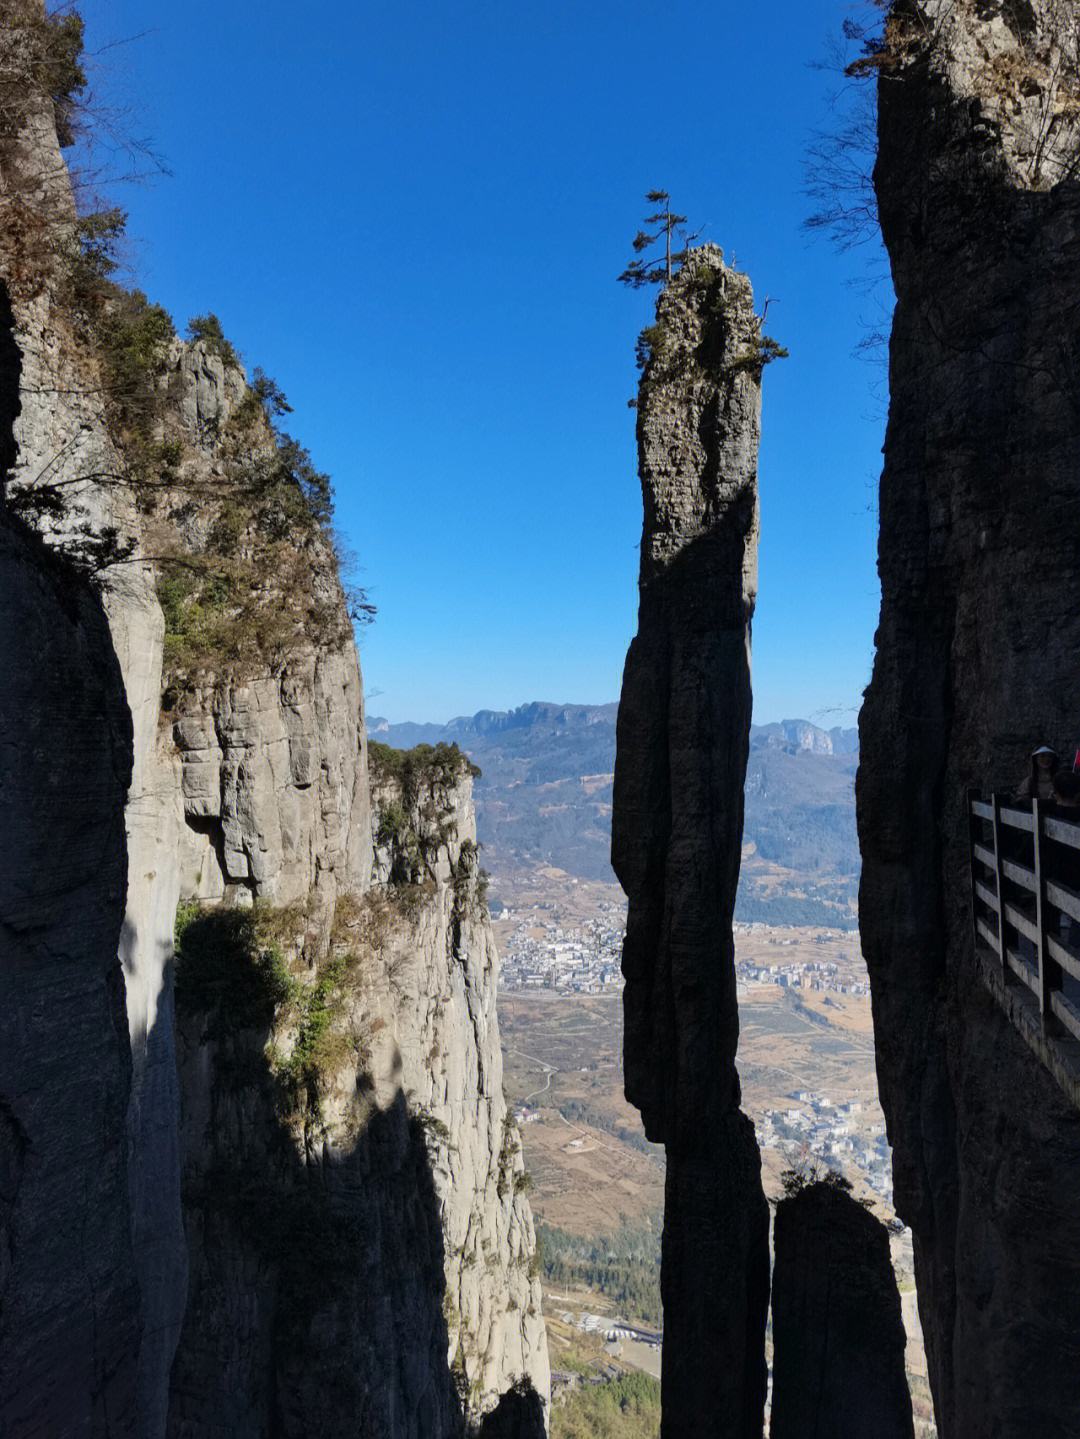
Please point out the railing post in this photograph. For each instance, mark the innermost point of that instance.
(973, 832)
(999, 880)
(1046, 964)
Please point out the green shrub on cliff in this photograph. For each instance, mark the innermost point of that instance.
(442, 764)
(228, 966)
(232, 967)
(318, 1047)
(207, 328)
(59, 70)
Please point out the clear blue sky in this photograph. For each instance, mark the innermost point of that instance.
(412, 216)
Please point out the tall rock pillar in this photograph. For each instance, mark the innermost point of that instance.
(683, 736)
(979, 557)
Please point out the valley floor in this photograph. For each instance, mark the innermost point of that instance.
(807, 1063)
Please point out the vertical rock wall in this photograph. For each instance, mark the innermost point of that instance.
(363, 1262)
(70, 1310)
(69, 1297)
(442, 981)
(683, 736)
(976, 663)
(838, 1337)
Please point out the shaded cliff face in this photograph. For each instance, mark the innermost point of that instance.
(838, 1337)
(69, 1300)
(683, 738)
(443, 977)
(69, 1293)
(975, 665)
(362, 1251)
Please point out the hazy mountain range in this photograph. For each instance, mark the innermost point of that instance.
(545, 798)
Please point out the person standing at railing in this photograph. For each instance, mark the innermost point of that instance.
(1038, 783)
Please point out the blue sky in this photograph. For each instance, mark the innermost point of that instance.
(412, 216)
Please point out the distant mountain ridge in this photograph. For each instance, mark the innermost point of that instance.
(545, 798)
(794, 734)
(535, 716)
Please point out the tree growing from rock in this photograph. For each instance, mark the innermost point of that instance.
(656, 270)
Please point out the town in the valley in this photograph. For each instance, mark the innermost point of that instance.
(806, 1062)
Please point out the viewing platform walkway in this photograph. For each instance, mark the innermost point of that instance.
(1025, 902)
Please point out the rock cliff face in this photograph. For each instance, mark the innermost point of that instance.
(838, 1337)
(185, 733)
(69, 1300)
(979, 202)
(362, 1251)
(442, 973)
(683, 738)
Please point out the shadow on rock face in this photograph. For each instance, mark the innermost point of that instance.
(69, 1303)
(838, 1334)
(65, 757)
(317, 1298)
(519, 1415)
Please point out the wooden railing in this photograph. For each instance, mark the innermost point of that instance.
(1025, 899)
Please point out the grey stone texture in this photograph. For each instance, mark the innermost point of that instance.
(69, 1296)
(374, 1274)
(976, 664)
(441, 989)
(249, 787)
(838, 1336)
(683, 739)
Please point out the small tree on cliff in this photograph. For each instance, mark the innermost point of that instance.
(657, 269)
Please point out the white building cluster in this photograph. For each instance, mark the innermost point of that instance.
(581, 960)
(841, 1135)
(821, 975)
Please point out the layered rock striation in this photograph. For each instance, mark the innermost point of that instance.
(977, 188)
(838, 1335)
(683, 739)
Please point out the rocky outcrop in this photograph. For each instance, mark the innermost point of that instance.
(683, 737)
(442, 979)
(363, 1258)
(186, 745)
(978, 556)
(838, 1337)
